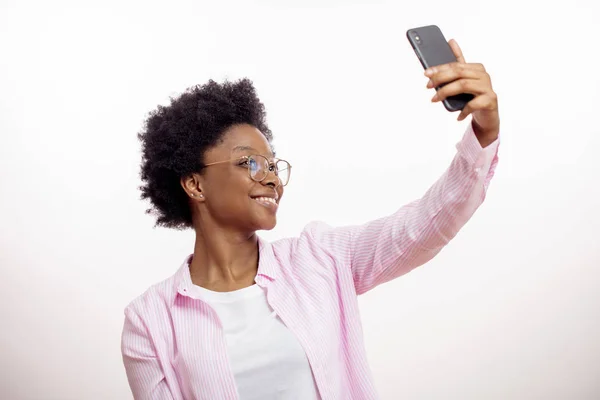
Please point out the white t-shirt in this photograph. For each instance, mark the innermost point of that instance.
(267, 360)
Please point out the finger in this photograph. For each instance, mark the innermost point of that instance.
(484, 102)
(456, 67)
(465, 112)
(459, 71)
(473, 86)
(457, 51)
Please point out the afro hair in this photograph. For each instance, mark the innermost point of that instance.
(175, 138)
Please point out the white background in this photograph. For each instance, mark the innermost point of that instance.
(509, 310)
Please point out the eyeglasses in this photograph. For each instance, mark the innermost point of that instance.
(259, 167)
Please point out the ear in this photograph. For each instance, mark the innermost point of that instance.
(192, 185)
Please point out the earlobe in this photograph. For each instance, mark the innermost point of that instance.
(191, 186)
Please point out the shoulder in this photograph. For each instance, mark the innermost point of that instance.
(157, 297)
(309, 237)
(311, 248)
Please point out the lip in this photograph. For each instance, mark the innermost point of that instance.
(272, 202)
(270, 195)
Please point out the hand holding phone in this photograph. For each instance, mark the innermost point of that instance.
(459, 85)
(432, 49)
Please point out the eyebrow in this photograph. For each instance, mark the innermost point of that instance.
(250, 148)
(243, 148)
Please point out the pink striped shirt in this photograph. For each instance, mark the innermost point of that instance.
(173, 345)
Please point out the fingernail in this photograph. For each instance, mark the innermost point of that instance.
(434, 98)
(429, 71)
(429, 84)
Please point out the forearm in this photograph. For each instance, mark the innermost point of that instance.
(389, 247)
(484, 137)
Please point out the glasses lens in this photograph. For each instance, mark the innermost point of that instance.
(259, 167)
(283, 171)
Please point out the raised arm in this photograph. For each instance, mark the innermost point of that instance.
(391, 246)
(386, 248)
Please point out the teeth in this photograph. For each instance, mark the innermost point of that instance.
(270, 200)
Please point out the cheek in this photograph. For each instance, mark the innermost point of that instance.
(230, 192)
(236, 193)
(229, 203)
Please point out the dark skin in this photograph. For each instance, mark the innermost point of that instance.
(226, 214)
(469, 78)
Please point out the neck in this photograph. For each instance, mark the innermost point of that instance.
(224, 260)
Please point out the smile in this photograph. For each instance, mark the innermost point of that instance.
(266, 201)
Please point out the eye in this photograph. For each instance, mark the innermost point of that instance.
(250, 163)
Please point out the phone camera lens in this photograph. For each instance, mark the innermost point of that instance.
(416, 37)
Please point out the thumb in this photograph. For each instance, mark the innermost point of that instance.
(457, 51)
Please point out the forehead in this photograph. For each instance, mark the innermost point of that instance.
(244, 139)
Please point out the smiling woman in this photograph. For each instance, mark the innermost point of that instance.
(177, 138)
(246, 319)
(225, 195)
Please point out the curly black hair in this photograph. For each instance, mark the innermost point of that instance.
(176, 136)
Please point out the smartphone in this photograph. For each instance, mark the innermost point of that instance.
(433, 49)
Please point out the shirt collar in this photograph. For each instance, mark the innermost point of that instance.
(267, 266)
(182, 281)
(267, 263)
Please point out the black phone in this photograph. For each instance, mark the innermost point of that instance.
(433, 49)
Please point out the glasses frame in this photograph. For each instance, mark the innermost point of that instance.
(274, 162)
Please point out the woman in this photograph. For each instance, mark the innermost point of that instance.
(244, 318)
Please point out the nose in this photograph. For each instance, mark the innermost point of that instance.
(271, 180)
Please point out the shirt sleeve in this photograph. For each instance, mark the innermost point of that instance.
(145, 375)
(386, 248)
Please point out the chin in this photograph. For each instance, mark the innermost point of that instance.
(263, 219)
(268, 225)
(264, 222)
